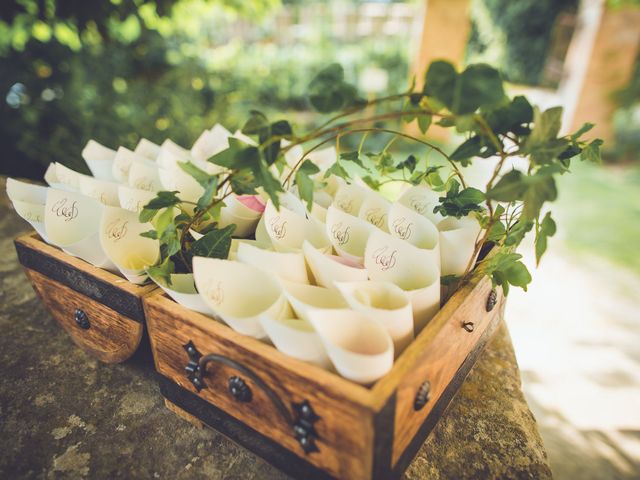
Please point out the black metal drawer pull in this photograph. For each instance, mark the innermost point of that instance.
(301, 421)
(82, 320)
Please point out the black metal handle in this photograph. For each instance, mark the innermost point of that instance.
(468, 326)
(82, 320)
(422, 395)
(303, 420)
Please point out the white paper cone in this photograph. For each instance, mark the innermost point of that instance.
(324, 157)
(457, 242)
(144, 177)
(121, 240)
(318, 212)
(99, 159)
(26, 192)
(287, 266)
(239, 293)
(211, 142)
(147, 149)
(349, 198)
(101, 190)
(261, 233)
(391, 259)
(183, 291)
(425, 303)
(322, 198)
(422, 200)
(176, 149)
(304, 298)
(296, 338)
(360, 349)
(63, 178)
(288, 229)
(122, 164)
(236, 242)
(133, 199)
(409, 225)
(384, 303)
(348, 234)
(187, 186)
(34, 214)
(327, 269)
(375, 210)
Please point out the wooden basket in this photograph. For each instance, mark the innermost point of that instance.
(102, 312)
(306, 421)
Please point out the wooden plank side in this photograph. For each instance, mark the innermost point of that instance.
(105, 287)
(346, 425)
(111, 338)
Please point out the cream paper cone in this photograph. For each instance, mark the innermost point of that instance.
(34, 214)
(176, 149)
(144, 177)
(183, 291)
(63, 178)
(384, 303)
(318, 212)
(296, 338)
(147, 149)
(175, 179)
(261, 233)
(211, 142)
(133, 199)
(350, 197)
(322, 198)
(26, 192)
(348, 234)
(324, 157)
(409, 225)
(287, 266)
(327, 269)
(121, 240)
(457, 242)
(101, 190)
(239, 293)
(71, 222)
(288, 229)
(99, 159)
(423, 200)
(375, 210)
(360, 349)
(122, 164)
(236, 242)
(304, 298)
(413, 269)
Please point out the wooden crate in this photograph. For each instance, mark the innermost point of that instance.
(306, 421)
(102, 312)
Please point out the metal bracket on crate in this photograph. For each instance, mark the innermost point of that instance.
(303, 419)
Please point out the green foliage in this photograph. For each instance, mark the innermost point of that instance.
(304, 181)
(215, 244)
(505, 268)
(328, 91)
(460, 203)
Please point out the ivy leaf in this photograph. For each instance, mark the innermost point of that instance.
(440, 81)
(513, 117)
(582, 130)
(543, 144)
(337, 170)
(546, 229)
(162, 200)
(533, 190)
(517, 232)
(591, 152)
(329, 92)
(467, 149)
(506, 269)
(215, 244)
(509, 188)
(352, 157)
(410, 163)
(169, 241)
(458, 203)
(256, 123)
(266, 180)
(199, 175)
(228, 158)
(162, 271)
(424, 122)
(305, 182)
(150, 234)
(210, 190)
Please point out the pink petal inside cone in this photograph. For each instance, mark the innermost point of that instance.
(252, 201)
(345, 261)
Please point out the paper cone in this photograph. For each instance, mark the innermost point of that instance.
(236, 242)
(457, 242)
(63, 178)
(26, 192)
(409, 225)
(34, 214)
(183, 291)
(144, 177)
(425, 302)
(324, 157)
(99, 159)
(304, 298)
(288, 229)
(350, 197)
(296, 338)
(121, 240)
(375, 210)
(147, 149)
(122, 164)
(133, 199)
(385, 303)
(101, 190)
(327, 269)
(177, 180)
(360, 349)
(422, 200)
(211, 142)
(239, 293)
(391, 259)
(71, 222)
(173, 147)
(318, 212)
(348, 234)
(261, 233)
(287, 266)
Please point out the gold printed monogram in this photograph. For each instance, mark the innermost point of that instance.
(340, 234)
(278, 227)
(418, 203)
(62, 208)
(117, 229)
(345, 204)
(385, 258)
(216, 293)
(402, 227)
(376, 216)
